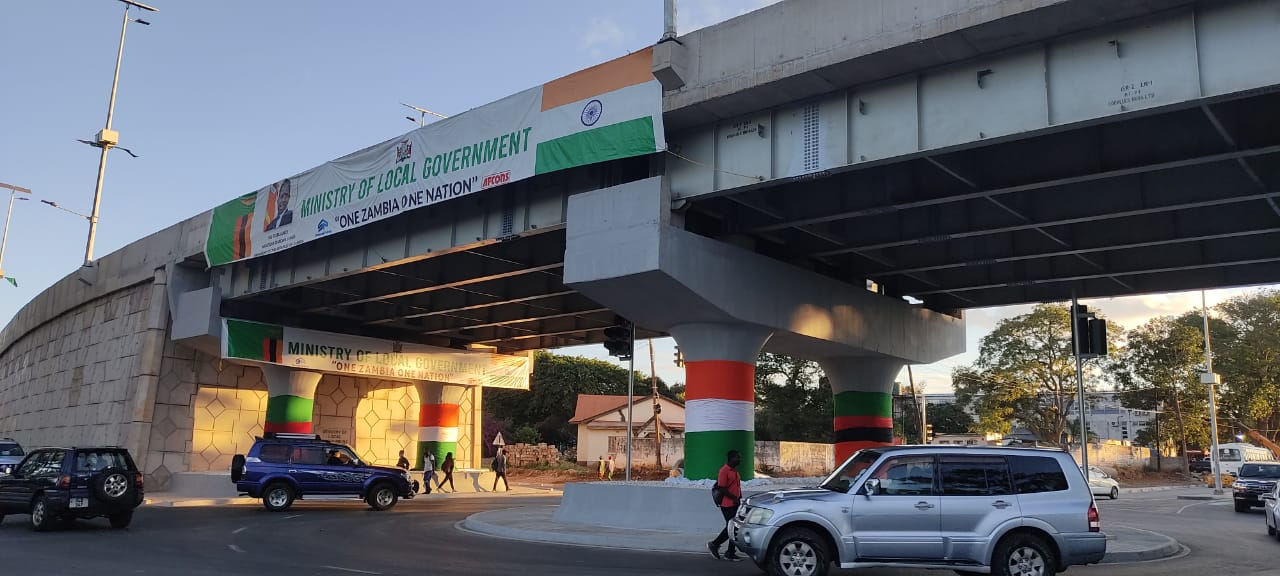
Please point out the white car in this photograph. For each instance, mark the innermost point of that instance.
(1102, 484)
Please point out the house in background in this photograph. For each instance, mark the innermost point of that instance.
(599, 417)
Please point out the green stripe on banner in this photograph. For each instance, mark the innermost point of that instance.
(220, 246)
(244, 338)
(705, 452)
(621, 140)
(854, 403)
(288, 408)
(437, 448)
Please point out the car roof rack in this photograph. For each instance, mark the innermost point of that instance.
(291, 436)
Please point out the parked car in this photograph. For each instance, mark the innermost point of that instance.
(1255, 479)
(965, 508)
(1200, 466)
(10, 455)
(53, 484)
(1102, 484)
(281, 468)
(1271, 505)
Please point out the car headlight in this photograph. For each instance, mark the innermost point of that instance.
(406, 476)
(759, 515)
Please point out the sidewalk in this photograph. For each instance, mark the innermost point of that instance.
(535, 523)
(173, 500)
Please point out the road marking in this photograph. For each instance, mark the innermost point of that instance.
(339, 568)
(240, 529)
(235, 548)
(291, 517)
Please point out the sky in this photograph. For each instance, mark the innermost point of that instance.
(219, 99)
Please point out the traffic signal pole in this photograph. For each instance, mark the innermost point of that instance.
(1075, 342)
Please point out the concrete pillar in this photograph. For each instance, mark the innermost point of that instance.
(720, 368)
(290, 399)
(437, 420)
(863, 391)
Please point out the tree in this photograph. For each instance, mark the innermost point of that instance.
(949, 418)
(793, 400)
(1247, 355)
(1025, 372)
(1162, 363)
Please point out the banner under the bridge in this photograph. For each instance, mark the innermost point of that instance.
(602, 113)
(370, 357)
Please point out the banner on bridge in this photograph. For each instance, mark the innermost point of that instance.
(602, 113)
(370, 357)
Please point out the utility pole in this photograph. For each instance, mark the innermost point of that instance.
(1075, 343)
(657, 409)
(920, 400)
(631, 395)
(13, 195)
(1210, 378)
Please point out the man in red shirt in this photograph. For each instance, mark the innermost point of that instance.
(731, 486)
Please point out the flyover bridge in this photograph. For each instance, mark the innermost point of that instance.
(834, 180)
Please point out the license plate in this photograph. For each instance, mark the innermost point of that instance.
(79, 502)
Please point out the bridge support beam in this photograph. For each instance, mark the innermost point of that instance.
(439, 405)
(720, 367)
(863, 394)
(290, 399)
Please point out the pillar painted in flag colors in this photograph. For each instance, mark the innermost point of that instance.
(437, 420)
(863, 397)
(290, 399)
(720, 368)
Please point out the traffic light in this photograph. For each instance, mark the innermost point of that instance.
(679, 358)
(928, 432)
(1091, 331)
(618, 339)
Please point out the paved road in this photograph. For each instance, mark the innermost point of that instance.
(419, 537)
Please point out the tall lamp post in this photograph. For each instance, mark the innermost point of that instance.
(4, 239)
(108, 138)
(422, 113)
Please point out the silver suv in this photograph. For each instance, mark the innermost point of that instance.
(1007, 511)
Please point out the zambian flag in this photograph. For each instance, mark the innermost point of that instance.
(230, 236)
(254, 341)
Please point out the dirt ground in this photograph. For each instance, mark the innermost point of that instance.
(1137, 478)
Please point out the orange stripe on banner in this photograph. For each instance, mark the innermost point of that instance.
(442, 415)
(629, 70)
(846, 449)
(843, 422)
(720, 379)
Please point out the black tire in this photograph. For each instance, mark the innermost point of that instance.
(1115, 493)
(1242, 507)
(382, 496)
(797, 552)
(1, 518)
(1023, 549)
(237, 467)
(121, 519)
(42, 519)
(277, 497)
(1271, 530)
(114, 486)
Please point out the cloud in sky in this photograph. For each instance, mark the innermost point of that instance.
(603, 38)
(694, 14)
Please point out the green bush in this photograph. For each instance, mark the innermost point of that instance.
(527, 435)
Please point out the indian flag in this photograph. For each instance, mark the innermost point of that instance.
(590, 116)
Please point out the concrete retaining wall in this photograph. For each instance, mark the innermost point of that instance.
(645, 507)
(1112, 455)
(791, 457)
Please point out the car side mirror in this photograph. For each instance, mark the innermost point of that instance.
(871, 487)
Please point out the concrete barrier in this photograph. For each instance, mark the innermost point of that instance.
(637, 506)
(202, 485)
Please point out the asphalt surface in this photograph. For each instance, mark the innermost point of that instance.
(421, 537)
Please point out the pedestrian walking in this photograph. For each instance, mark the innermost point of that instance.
(429, 472)
(602, 466)
(611, 466)
(729, 482)
(500, 471)
(402, 463)
(447, 468)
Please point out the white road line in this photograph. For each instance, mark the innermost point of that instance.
(341, 569)
(291, 517)
(240, 529)
(235, 548)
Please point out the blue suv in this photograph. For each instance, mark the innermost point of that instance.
(283, 467)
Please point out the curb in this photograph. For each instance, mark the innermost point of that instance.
(1156, 489)
(1199, 497)
(245, 500)
(1170, 548)
(622, 542)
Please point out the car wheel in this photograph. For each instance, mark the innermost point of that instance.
(237, 467)
(1241, 507)
(1271, 530)
(798, 552)
(121, 519)
(41, 517)
(278, 497)
(114, 485)
(382, 497)
(1115, 492)
(1023, 555)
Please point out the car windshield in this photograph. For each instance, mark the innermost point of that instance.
(853, 469)
(1260, 471)
(10, 450)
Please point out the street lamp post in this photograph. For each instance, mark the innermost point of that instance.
(108, 138)
(1211, 379)
(4, 239)
(422, 114)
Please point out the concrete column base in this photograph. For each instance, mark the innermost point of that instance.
(290, 399)
(437, 420)
(863, 390)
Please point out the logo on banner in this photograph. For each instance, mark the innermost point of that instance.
(496, 179)
(322, 227)
(404, 151)
(591, 113)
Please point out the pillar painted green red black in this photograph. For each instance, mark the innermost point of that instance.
(720, 365)
(290, 399)
(863, 398)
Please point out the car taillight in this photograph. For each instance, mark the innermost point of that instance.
(137, 479)
(64, 482)
(1095, 522)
